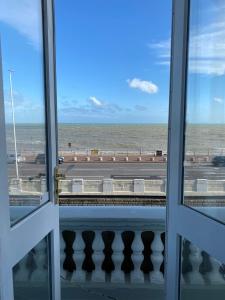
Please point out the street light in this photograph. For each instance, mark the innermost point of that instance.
(14, 124)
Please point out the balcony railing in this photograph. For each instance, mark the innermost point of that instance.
(118, 246)
(112, 251)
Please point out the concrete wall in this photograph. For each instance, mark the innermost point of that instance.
(155, 186)
(92, 186)
(118, 186)
(122, 186)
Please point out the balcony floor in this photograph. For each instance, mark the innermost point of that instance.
(116, 293)
(119, 292)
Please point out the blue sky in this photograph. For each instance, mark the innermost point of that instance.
(112, 60)
(103, 53)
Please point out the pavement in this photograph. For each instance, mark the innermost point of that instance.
(119, 170)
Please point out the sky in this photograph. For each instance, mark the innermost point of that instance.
(113, 60)
(112, 75)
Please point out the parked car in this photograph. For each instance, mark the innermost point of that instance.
(40, 159)
(11, 158)
(218, 161)
(60, 159)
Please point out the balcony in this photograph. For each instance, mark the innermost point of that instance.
(105, 252)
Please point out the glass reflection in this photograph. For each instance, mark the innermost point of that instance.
(202, 276)
(204, 171)
(31, 274)
(21, 30)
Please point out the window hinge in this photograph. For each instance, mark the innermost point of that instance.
(58, 177)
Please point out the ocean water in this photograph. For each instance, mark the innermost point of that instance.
(116, 137)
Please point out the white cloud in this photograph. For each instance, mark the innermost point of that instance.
(206, 50)
(163, 48)
(218, 100)
(96, 102)
(25, 17)
(143, 85)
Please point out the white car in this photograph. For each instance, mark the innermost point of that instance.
(60, 159)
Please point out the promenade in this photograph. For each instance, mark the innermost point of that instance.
(99, 170)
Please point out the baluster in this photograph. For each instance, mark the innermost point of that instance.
(214, 276)
(137, 258)
(117, 257)
(195, 258)
(79, 275)
(156, 276)
(98, 274)
(40, 273)
(63, 272)
(22, 274)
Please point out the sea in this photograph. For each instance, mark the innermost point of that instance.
(200, 138)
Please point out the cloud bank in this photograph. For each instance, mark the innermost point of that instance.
(93, 106)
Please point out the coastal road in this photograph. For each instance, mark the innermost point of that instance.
(120, 170)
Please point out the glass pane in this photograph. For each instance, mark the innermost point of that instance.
(24, 96)
(202, 276)
(31, 275)
(204, 165)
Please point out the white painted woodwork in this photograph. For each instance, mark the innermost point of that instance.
(117, 257)
(98, 274)
(156, 276)
(79, 275)
(137, 275)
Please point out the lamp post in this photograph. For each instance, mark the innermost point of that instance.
(14, 124)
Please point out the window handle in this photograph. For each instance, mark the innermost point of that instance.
(58, 177)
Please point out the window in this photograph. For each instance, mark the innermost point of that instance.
(107, 244)
(24, 99)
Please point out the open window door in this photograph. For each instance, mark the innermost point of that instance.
(195, 213)
(29, 213)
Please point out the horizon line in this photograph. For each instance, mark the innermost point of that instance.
(118, 123)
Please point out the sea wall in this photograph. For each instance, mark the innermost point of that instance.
(78, 186)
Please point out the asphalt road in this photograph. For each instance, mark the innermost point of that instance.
(119, 170)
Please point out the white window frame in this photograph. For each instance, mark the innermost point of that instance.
(17, 241)
(182, 221)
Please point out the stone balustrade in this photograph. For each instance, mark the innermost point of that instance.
(128, 252)
(120, 252)
(112, 251)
